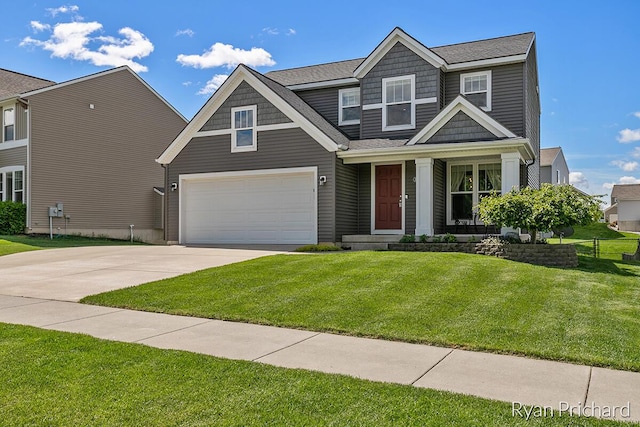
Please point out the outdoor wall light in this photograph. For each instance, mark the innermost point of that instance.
(323, 180)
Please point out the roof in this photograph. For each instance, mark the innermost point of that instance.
(548, 155)
(499, 47)
(626, 192)
(364, 144)
(13, 84)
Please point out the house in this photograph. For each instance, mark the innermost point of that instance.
(403, 141)
(625, 207)
(553, 166)
(80, 154)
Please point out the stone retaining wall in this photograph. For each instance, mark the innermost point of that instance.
(540, 254)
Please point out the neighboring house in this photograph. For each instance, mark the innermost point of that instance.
(553, 166)
(625, 203)
(404, 141)
(86, 146)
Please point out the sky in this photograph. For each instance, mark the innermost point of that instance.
(588, 54)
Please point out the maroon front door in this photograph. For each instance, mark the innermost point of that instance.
(388, 197)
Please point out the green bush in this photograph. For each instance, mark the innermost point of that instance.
(13, 217)
(424, 238)
(318, 248)
(408, 238)
(449, 238)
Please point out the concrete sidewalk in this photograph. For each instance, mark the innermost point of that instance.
(492, 376)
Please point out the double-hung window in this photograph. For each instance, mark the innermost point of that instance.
(349, 106)
(12, 184)
(8, 124)
(398, 109)
(243, 129)
(468, 184)
(477, 88)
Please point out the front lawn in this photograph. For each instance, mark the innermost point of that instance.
(611, 243)
(23, 243)
(62, 379)
(588, 315)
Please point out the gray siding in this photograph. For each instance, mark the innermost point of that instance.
(364, 198)
(99, 162)
(245, 95)
(507, 101)
(21, 122)
(410, 202)
(371, 123)
(13, 157)
(346, 199)
(532, 116)
(325, 102)
(276, 149)
(461, 128)
(439, 196)
(545, 174)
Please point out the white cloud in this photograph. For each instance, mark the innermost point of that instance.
(63, 9)
(71, 40)
(187, 83)
(625, 166)
(636, 152)
(608, 185)
(213, 84)
(291, 32)
(39, 26)
(637, 114)
(226, 55)
(629, 135)
(187, 32)
(579, 180)
(629, 180)
(271, 31)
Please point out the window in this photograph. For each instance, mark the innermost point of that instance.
(398, 111)
(468, 184)
(557, 177)
(243, 132)
(477, 88)
(349, 107)
(12, 184)
(8, 124)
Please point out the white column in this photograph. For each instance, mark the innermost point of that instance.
(424, 197)
(510, 178)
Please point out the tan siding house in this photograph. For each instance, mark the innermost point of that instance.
(91, 147)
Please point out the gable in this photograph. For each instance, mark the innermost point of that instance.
(461, 128)
(245, 95)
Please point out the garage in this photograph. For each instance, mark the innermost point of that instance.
(275, 206)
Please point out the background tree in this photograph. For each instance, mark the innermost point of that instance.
(550, 207)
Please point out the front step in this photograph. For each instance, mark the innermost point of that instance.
(367, 242)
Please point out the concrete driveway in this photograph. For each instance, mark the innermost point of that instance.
(72, 273)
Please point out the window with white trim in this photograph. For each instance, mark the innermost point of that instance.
(468, 184)
(8, 124)
(398, 108)
(12, 184)
(349, 106)
(243, 129)
(477, 88)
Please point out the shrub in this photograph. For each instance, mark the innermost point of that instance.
(318, 248)
(437, 239)
(449, 238)
(424, 238)
(13, 217)
(408, 238)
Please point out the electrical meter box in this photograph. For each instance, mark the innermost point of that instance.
(60, 208)
(53, 211)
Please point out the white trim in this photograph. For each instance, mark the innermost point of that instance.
(216, 132)
(13, 144)
(239, 75)
(429, 100)
(158, 192)
(252, 128)
(487, 62)
(257, 172)
(398, 35)
(341, 107)
(460, 103)
(424, 196)
(373, 198)
(327, 83)
(261, 128)
(486, 73)
(385, 104)
(372, 106)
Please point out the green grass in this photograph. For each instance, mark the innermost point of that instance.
(587, 315)
(612, 243)
(23, 243)
(62, 379)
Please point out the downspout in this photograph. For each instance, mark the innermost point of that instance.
(28, 165)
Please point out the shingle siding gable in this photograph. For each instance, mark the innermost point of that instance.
(461, 128)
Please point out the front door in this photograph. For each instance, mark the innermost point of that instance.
(388, 202)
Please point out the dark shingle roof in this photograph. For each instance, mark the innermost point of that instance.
(13, 84)
(303, 108)
(626, 192)
(548, 155)
(454, 54)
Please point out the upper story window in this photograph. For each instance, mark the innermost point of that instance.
(8, 123)
(12, 184)
(477, 88)
(349, 106)
(398, 110)
(243, 129)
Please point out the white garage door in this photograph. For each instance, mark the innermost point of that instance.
(261, 207)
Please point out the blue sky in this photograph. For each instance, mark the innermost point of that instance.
(588, 54)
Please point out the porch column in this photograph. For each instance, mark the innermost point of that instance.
(424, 196)
(510, 178)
